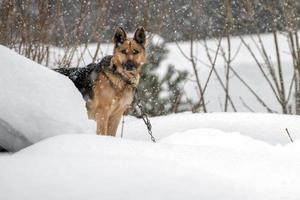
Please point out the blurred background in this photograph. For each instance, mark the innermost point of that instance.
(203, 56)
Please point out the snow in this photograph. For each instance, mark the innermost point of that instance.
(214, 137)
(269, 128)
(194, 164)
(36, 103)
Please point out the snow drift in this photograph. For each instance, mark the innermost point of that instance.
(270, 128)
(36, 103)
(197, 164)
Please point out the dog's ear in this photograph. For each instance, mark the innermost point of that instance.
(140, 36)
(119, 36)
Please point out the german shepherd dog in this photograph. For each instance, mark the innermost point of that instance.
(109, 86)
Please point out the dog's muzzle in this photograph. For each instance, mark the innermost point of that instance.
(129, 66)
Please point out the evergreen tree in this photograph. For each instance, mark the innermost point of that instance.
(161, 94)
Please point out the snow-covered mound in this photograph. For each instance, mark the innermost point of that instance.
(190, 165)
(269, 128)
(36, 103)
(214, 137)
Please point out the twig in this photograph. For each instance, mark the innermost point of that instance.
(252, 91)
(246, 105)
(261, 69)
(217, 74)
(287, 131)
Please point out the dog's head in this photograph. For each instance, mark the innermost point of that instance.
(129, 53)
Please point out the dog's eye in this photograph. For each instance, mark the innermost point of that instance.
(124, 51)
(135, 51)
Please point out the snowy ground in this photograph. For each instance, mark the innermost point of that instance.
(192, 164)
(269, 128)
(213, 156)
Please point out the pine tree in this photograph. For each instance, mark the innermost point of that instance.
(161, 94)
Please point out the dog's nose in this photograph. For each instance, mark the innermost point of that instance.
(129, 66)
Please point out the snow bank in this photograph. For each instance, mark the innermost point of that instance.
(94, 167)
(216, 138)
(36, 103)
(269, 128)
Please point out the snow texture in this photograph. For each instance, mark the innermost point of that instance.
(196, 164)
(270, 128)
(36, 103)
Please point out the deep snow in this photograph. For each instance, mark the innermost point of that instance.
(195, 164)
(269, 128)
(36, 102)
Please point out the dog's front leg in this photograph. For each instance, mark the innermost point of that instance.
(113, 123)
(102, 123)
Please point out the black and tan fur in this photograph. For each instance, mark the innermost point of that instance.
(109, 88)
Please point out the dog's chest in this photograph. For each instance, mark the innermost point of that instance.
(123, 99)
